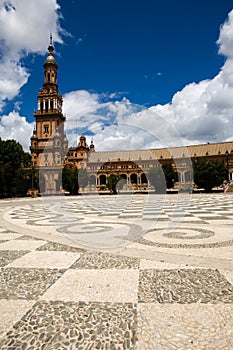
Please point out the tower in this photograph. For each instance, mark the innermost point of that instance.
(48, 142)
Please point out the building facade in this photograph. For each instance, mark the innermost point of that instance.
(50, 152)
(49, 144)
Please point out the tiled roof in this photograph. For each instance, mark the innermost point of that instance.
(210, 149)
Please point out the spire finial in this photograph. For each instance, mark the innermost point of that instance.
(51, 48)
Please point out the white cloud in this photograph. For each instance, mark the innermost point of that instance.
(14, 126)
(78, 102)
(225, 40)
(13, 76)
(20, 23)
(199, 113)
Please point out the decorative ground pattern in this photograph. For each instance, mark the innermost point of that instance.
(117, 273)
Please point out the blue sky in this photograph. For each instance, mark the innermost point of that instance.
(158, 54)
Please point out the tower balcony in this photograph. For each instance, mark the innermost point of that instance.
(47, 112)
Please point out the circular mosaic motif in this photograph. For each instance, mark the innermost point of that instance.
(194, 234)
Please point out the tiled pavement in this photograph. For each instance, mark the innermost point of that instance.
(168, 288)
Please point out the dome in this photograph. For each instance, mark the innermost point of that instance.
(50, 59)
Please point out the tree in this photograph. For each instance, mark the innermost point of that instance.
(73, 179)
(15, 180)
(83, 178)
(169, 174)
(114, 183)
(209, 173)
(157, 179)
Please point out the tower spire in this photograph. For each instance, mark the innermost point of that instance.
(51, 47)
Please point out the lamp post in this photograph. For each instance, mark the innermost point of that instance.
(227, 159)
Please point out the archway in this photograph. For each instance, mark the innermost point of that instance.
(102, 179)
(134, 179)
(144, 178)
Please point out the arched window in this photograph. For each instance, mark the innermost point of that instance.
(102, 179)
(144, 178)
(133, 179)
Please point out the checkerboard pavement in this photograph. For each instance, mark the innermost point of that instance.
(55, 295)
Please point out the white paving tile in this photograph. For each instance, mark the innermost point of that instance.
(228, 275)
(11, 311)
(46, 259)
(9, 236)
(177, 326)
(95, 285)
(22, 244)
(154, 264)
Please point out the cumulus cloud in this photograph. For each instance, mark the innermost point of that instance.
(199, 113)
(225, 40)
(20, 23)
(202, 112)
(14, 126)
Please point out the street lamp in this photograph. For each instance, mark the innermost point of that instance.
(227, 159)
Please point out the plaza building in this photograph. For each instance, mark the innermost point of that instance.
(49, 144)
(50, 151)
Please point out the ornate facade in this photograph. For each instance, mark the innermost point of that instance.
(49, 148)
(48, 142)
(134, 165)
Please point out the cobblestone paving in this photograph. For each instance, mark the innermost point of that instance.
(60, 325)
(26, 283)
(184, 286)
(99, 260)
(170, 286)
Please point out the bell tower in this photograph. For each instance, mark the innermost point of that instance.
(48, 142)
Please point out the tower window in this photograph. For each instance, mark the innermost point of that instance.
(46, 129)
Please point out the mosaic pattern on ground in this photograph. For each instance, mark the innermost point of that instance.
(169, 287)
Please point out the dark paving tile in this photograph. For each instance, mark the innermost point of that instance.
(59, 325)
(7, 256)
(53, 246)
(22, 283)
(184, 286)
(99, 260)
(27, 238)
